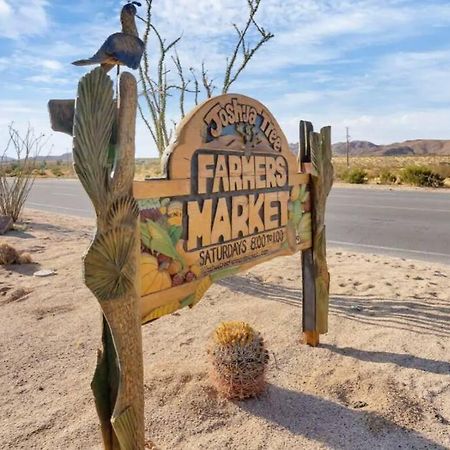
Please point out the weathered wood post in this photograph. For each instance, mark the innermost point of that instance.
(104, 162)
(315, 158)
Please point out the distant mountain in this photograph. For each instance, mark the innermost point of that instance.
(6, 159)
(65, 157)
(413, 147)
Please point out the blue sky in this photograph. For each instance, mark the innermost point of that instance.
(381, 67)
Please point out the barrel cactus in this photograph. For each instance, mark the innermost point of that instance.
(239, 360)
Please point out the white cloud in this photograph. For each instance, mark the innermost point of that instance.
(300, 74)
(51, 64)
(307, 32)
(380, 128)
(23, 19)
(47, 79)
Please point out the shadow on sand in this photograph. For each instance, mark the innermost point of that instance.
(403, 360)
(423, 316)
(420, 315)
(332, 424)
(20, 234)
(27, 270)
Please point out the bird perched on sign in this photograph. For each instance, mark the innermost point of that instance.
(123, 48)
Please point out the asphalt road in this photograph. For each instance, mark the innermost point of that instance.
(409, 224)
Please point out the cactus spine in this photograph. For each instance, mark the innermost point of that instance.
(239, 360)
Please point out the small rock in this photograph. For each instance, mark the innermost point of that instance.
(4, 290)
(359, 404)
(441, 419)
(17, 294)
(356, 308)
(44, 273)
(439, 274)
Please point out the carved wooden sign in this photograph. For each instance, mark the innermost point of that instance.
(232, 198)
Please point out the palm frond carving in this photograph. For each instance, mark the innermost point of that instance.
(125, 429)
(123, 212)
(109, 264)
(93, 124)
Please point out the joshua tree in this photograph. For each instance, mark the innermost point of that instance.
(157, 90)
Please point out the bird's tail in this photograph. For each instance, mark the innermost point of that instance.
(84, 62)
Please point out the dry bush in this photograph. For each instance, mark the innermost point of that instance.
(387, 177)
(147, 168)
(164, 79)
(9, 255)
(17, 176)
(421, 176)
(355, 176)
(386, 169)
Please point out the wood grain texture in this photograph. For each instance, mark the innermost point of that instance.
(110, 265)
(150, 303)
(161, 188)
(315, 159)
(240, 197)
(311, 338)
(321, 186)
(61, 115)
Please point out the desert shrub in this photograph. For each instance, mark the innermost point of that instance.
(9, 255)
(15, 185)
(421, 176)
(57, 172)
(339, 171)
(355, 176)
(443, 169)
(39, 172)
(387, 177)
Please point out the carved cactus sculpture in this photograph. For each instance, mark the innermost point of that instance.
(104, 162)
(239, 360)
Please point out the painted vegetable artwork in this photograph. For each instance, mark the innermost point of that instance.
(164, 262)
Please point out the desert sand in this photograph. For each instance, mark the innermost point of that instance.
(379, 380)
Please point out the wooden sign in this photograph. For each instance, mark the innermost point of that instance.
(232, 198)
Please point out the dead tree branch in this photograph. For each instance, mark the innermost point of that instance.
(156, 91)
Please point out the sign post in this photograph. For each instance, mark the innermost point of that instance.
(315, 158)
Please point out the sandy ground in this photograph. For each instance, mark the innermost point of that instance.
(380, 380)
